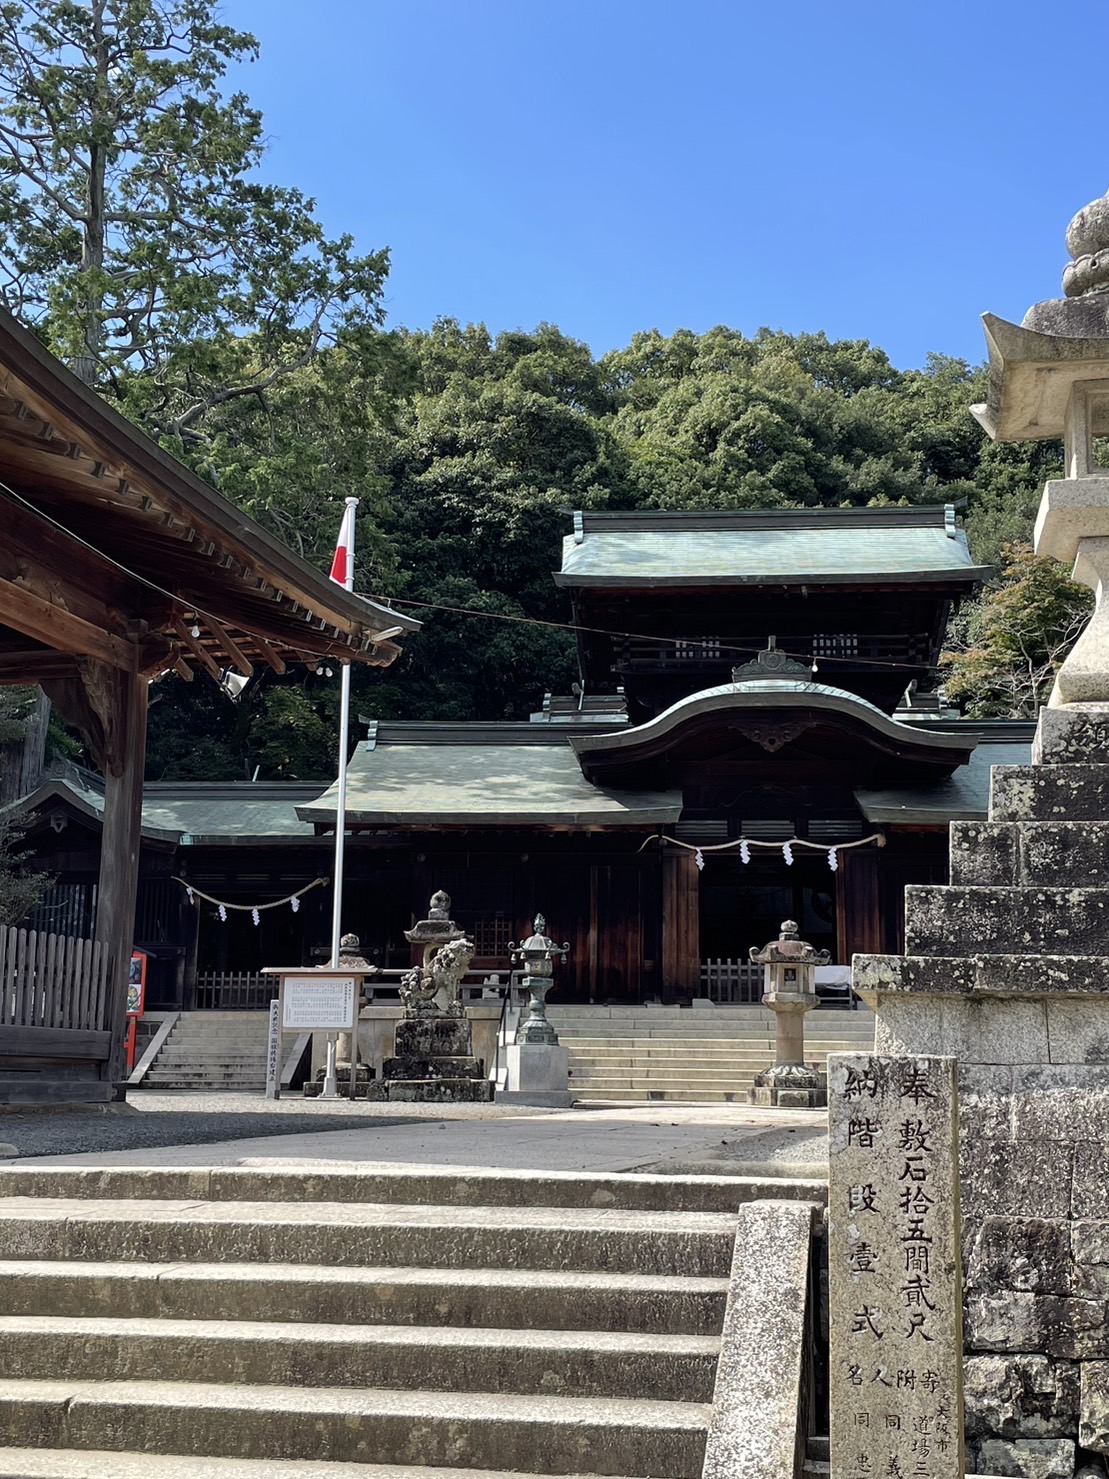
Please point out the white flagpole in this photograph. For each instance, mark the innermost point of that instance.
(344, 736)
(330, 1088)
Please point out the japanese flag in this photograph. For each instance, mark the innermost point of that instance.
(342, 564)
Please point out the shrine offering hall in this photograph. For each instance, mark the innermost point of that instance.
(757, 738)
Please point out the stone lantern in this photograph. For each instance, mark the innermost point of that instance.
(1049, 377)
(538, 1067)
(537, 954)
(789, 990)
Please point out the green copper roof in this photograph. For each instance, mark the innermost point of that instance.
(780, 546)
(964, 797)
(483, 785)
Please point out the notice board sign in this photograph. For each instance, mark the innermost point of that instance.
(319, 1002)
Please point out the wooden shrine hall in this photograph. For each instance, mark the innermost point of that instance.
(758, 737)
(117, 565)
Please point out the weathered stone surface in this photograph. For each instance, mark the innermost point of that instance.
(432, 1068)
(1021, 1397)
(1060, 1101)
(1048, 1324)
(1073, 733)
(1090, 1241)
(1003, 921)
(1013, 1178)
(971, 1029)
(1063, 854)
(1050, 793)
(1028, 1254)
(894, 1270)
(1078, 1031)
(985, 1102)
(984, 853)
(433, 1037)
(1006, 975)
(1027, 1458)
(1093, 1430)
(755, 1429)
(1090, 1187)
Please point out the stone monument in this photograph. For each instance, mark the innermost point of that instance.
(1007, 968)
(894, 1287)
(434, 1041)
(789, 975)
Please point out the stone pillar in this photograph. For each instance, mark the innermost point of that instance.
(1007, 969)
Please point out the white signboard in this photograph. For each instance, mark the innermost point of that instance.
(319, 1003)
(273, 1055)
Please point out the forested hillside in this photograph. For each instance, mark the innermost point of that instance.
(138, 237)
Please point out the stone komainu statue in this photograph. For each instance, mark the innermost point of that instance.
(443, 972)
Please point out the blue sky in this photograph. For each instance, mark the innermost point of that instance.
(877, 169)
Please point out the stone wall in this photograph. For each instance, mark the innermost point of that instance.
(1007, 969)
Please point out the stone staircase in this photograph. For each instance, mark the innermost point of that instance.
(371, 1322)
(213, 1050)
(688, 1055)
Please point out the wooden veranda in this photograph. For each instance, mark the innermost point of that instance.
(117, 565)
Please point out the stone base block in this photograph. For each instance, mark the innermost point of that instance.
(538, 1068)
(1071, 734)
(433, 1037)
(1050, 793)
(438, 1091)
(432, 1068)
(363, 1089)
(1027, 1458)
(768, 1097)
(1020, 1396)
(536, 1098)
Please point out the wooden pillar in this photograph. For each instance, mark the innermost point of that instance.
(858, 904)
(681, 925)
(119, 851)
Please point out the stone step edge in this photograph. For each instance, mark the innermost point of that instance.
(445, 1187)
(364, 1402)
(456, 1337)
(102, 1463)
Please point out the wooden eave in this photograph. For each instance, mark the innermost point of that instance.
(107, 534)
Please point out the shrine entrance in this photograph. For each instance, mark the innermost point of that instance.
(744, 904)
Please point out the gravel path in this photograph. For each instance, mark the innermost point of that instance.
(150, 1120)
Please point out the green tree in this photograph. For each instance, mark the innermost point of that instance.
(20, 886)
(1006, 648)
(134, 230)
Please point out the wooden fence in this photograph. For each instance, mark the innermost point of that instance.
(731, 980)
(234, 991)
(52, 981)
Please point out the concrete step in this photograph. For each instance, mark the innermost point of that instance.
(76, 1463)
(431, 1187)
(569, 1363)
(475, 1299)
(559, 1435)
(169, 1231)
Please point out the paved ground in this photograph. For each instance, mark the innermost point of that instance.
(187, 1129)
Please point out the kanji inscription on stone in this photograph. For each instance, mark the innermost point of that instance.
(894, 1271)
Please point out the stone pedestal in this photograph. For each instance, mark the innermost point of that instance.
(790, 1084)
(1007, 970)
(538, 1074)
(434, 1063)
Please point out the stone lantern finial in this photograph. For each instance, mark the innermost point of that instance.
(1083, 310)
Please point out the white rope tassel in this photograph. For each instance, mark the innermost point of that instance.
(744, 852)
(223, 914)
(295, 902)
(833, 859)
(256, 918)
(699, 859)
(787, 853)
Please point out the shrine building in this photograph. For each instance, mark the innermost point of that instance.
(756, 736)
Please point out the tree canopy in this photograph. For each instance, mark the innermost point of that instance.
(139, 236)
